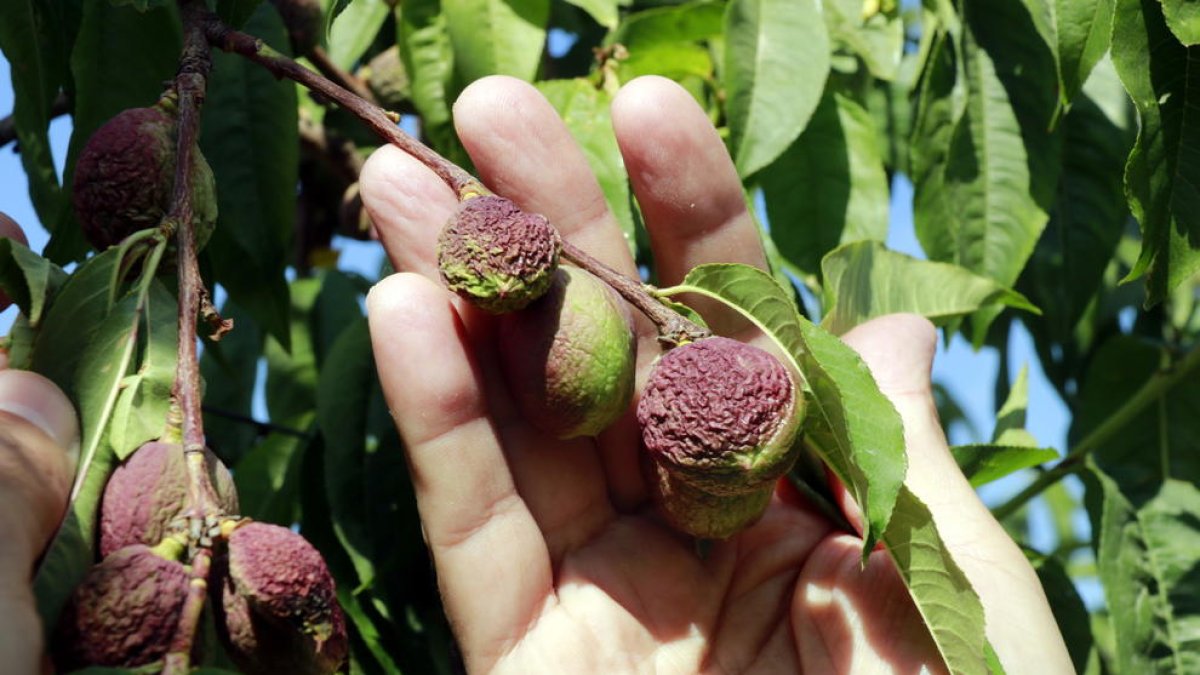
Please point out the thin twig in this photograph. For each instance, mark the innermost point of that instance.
(263, 428)
(320, 59)
(8, 125)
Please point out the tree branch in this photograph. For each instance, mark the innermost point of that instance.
(8, 125)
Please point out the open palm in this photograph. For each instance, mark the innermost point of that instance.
(549, 555)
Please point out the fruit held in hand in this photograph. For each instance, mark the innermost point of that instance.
(124, 613)
(569, 357)
(496, 255)
(719, 418)
(126, 174)
(278, 605)
(147, 493)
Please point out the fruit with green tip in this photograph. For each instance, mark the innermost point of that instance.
(569, 358)
(496, 255)
(719, 419)
(277, 604)
(125, 177)
(145, 496)
(124, 613)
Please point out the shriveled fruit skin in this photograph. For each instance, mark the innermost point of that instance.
(124, 613)
(148, 492)
(496, 255)
(703, 514)
(125, 176)
(569, 358)
(388, 78)
(720, 417)
(279, 609)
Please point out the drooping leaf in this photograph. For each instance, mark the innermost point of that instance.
(141, 411)
(268, 477)
(983, 463)
(496, 37)
(942, 593)
(355, 30)
(1069, 611)
(292, 376)
(865, 280)
(584, 108)
(776, 63)
(1010, 420)
(32, 39)
(1084, 28)
(28, 279)
(110, 38)
(829, 187)
(850, 422)
(1090, 211)
(249, 136)
(1160, 180)
(985, 169)
(428, 56)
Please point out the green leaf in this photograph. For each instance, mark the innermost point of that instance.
(877, 39)
(1147, 552)
(497, 37)
(585, 109)
(865, 280)
(776, 63)
(983, 463)
(230, 372)
(829, 187)
(28, 279)
(1084, 28)
(268, 477)
(1160, 181)
(1010, 420)
(669, 41)
(850, 423)
(31, 37)
(355, 31)
(110, 39)
(1069, 611)
(605, 12)
(250, 137)
(941, 591)
(1183, 17)
(141, 412)
(1090, 211)
(985, 168)
(428, 57)
(292, 376)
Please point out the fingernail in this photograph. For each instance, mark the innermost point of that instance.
(38, 401)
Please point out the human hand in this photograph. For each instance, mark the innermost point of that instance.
(38, 434)
(549, 555)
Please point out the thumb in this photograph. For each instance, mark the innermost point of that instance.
(899, 351)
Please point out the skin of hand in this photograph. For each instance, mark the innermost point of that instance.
(548, 553)
(39, 438)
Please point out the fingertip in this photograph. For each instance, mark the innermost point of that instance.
(38, 401)
(408, 205)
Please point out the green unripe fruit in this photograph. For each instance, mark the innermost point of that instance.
(277, 607)
(569, 358)
(146, 495)
(497, 256)
(124, 613)
(719, 419)
(125, 178)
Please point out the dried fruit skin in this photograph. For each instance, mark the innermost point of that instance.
(496, 255)
(148, 492)
(569, 357)
(719, 419)
(388, 78)
(124, 613)
(279, 604)
(125, 176)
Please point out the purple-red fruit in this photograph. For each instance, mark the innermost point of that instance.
(124, 613)
(569, 358)
(125, 177)
(279, 609)
(496, 255)
(719, 419)
(146, 495)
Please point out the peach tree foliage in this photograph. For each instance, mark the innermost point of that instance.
(1046, 142)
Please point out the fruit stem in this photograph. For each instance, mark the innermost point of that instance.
(178, 658)
(380, 121)
(673, 327)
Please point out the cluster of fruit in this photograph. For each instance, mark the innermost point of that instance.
(719, 418)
